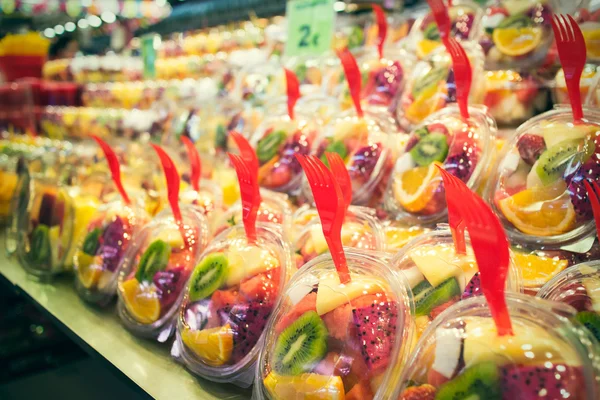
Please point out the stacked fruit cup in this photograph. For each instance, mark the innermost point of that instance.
(332, 340)
(589, 76)
(463, 147)
(439, 276)
(228, 300)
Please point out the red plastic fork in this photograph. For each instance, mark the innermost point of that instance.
(457, 226)
(249, 193)
(593, 191)
(330, 205)
(293, 91)
(196, 167)
(115, 167)
(463, 74)
(247, 152)
(353, 78)
(490, 246)
(381, 27)
(572, 54)
(442, 19)
(342, 177)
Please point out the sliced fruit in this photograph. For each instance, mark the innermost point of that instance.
(398, 237)
(305, 386)
(155, 258)
(431, 148)
(89, 269)
(333, 294)
(92, 242)
(592, 288)
(318, 240)
(141, 301)
(536, 270)
(540, 211)
(563, 156)
(415, 188)
(308, 303)
(40, 251)
(440, 262)
(430, 100)
(428, 297)
(448, 347)
(425, 47)
(480, 381)
(428, 84)
(247, 261)
(213, 346)
(172, 237)
(517, 41)
(556, 132)
(592, 40)
(208, 276)
(268, 146)
(591, 321)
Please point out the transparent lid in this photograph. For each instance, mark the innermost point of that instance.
(538, 188)
(462, 356)
(155, 269)
(398, 234)
(228, 300)
(463, 148)
(335, 340)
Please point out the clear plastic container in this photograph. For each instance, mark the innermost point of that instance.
(9, 177)
(208, 200)
(593, 98)
(154, 270)
(461, 355)
(367, 146)
(439, 277)
(228, 300)
(397, 235)
(538, 189)
(256, 83)
(360, 230)
(588, 77)
(415, 193)
(517, 33)
(327, 340)
(431, 86)
(98, 255)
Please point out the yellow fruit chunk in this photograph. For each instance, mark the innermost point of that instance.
(88, 268)
(540, 211)
(431, 100)
(397, 237)
(517, 41)
(592, 41)
(415, 188)
(213, 346)
(141, 301)
(333, 294)
(248, 261)
(440, 262)
(426, 47)
(305, 386)
(536, 270)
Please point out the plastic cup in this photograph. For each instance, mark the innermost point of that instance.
(328, 340)
(155, 269)
(588, 77)
(538, 201)
(227, 303)
(461, 355)
(463, 148)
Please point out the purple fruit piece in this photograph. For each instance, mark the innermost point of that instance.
(47, 209)
(534, 382)
(575, 295)
(388, 82)
(364, 161)
(531, 147)
(438, 128)
(589, 171)
(247, 321)
(298, 145)
(540, 14)
(451, 86)
(463, 157)
(486, 44)
(473, 287)
(376, 331)
(198, 314)
(168, 285)
(463, 25)
(112, 247)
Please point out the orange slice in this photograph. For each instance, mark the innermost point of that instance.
(426, 47)
(305, 386)
(431, 100)
(536, 270)
(141, 301)
(88, 269)
(415, 188)
(517, 41)
(540, 211)
(213, 346)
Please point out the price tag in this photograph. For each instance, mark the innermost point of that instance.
(310, 27)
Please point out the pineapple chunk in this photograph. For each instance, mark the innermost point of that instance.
(438, 263)
(592, 287)
(350, 128)
(556, 132)
(319, 243)
(333, 294)
(245, 262)
(171, 236)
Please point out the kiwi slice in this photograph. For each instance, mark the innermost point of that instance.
(432, 78)
(208, 276)
(268, 146)
(154, 259)
(515, 21)
(337, 146)
(433, 147)
(301, 345)
(92, 242)
(591, 321)
(221, 137)
(432, 32)
(553, 163)
(40, 252)
(481, 381)
(429, 297)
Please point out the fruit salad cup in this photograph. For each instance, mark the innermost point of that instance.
(328, 340)
(208, 200)
(463, 148)
(256, 83)
(538, 188)
(517, 33)
(360, 231)
(228, 300)
(462, 356)
(9, 176)
(589, 76)
(431, 86)
(439, 277)
(579, 287)
(367, 146)
(155, 269)
(105, 242)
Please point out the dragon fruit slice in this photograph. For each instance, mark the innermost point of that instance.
(168, 285)
(113, 244)
(534, 382)
(376, 332)
(473, 287)
(577, 191)
(247, 321)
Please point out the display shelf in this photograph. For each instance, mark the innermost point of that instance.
(145, 364)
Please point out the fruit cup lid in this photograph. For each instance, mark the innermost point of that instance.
(461, 355)
(154, 270)
(228, 300)
(324, 337)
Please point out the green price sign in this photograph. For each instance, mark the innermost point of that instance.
(310, 27)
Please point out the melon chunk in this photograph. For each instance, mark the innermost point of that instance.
(556, 132)
(438, 263)
(332, 294)
(245, 262)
